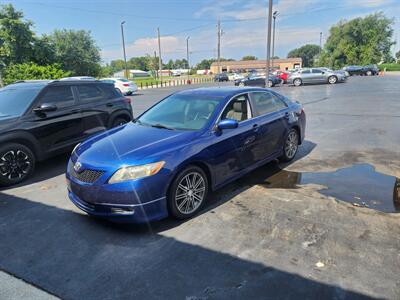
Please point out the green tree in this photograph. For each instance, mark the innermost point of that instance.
(205, 64)
(76, 51)
(249, 57)
(27, 71)
(16, 36)
(43, 52)
(307, 54)
(398, 56)
(359, 41)
(170, 65)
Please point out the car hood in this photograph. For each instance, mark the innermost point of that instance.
(131, 144)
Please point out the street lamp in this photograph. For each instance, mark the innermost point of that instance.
(187, 58)
(123, 47)
(274, 15)
(267, 65)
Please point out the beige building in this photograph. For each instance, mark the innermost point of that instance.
(243, 66)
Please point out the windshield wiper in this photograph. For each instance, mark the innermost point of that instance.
(161, 126)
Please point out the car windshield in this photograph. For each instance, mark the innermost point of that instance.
(14, 101)
(180, 112)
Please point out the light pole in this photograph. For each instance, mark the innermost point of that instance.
(123, 46)
(187, 58)
(274, 15)
(268, 43)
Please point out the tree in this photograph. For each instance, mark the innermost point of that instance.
(249, 57)
(43, 52)
(359, 41)
(170, 65)
(76, 51)
(205, 64)
(398, 56)
(16, 36)
(306, 52)
(27, 71)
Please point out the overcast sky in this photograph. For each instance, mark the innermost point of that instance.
(243, 22)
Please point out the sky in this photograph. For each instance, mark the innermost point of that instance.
(243, 23)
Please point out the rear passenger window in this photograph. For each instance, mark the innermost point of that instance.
(305, 72)
(109, 91)
(58, 95)
(316, 71)
(89, 92)
(265, 102)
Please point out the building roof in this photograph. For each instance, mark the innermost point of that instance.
(246, 63)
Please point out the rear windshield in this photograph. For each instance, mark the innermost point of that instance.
(123, 80)
(15, 101)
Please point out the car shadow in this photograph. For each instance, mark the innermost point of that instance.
(68, 255)
(45, 170)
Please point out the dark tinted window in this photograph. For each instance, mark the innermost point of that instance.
(90, 92)
(109, 91)
(316, 71)
(265, 102)
(15, 101)
(59, 95)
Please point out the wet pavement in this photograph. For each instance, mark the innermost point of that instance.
(287, 231)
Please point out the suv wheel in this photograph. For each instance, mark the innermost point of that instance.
(17, 163)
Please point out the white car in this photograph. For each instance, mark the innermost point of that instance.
(235, 76)
(123, 85)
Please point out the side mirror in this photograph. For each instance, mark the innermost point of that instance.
(227, 124)
(45, 107)
(323, 72)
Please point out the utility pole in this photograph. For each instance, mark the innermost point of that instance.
(219, 46)
(268, 43)
(274, 15)
(155, 64)
(187, 57)
(159, 54)
(320, 44)
(123, 46)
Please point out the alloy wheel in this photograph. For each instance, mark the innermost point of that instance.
(15, 164)
(332, 80)
(291, 144)
(297, 82)
(190, 193)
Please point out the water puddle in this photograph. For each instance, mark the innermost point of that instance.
(359, 184)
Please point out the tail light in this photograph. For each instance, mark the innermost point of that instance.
(125, 84)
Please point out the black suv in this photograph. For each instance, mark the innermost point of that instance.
(39, 119)
(221, 77)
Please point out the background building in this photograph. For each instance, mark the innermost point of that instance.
(243, 66)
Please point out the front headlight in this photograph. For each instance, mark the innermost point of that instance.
(136, 172)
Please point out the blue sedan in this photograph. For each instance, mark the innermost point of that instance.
(189, 144)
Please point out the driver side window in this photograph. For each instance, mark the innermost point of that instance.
(238, 109)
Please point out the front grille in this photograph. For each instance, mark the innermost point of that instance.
(87, 176)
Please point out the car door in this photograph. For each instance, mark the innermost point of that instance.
(318, 76)
(233, 149)
(95, 104)
(306, 76)
(272, 115)
(256, 81)
(61, 128)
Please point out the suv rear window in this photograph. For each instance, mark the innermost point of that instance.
(90, 92)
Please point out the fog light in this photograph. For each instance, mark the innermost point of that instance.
(122, 211)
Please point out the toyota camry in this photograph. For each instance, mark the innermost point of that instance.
(166, 161)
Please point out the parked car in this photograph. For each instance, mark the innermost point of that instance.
(343, 72)
(39, 119)
(122, 85)
(235, 76)
(221, 77)
(315, 75)
(187, 145)
(78, 78)
(368, 70)
(258, 80)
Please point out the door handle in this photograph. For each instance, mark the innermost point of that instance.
(109, 104)
(255, 127)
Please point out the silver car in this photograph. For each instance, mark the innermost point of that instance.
(315, 75)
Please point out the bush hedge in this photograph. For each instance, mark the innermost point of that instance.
(389, 67)
(28, 71)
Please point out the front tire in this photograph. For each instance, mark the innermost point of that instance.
(188, 193)
(290, 146)
(332, 79)
(297, 82)
(118, 121)
(17, 163)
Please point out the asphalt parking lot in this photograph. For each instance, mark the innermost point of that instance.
(323, 227)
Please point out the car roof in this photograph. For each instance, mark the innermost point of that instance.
(219, 92)
(42, 83)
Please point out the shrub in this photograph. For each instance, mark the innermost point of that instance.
(389, 67)
(29, 71)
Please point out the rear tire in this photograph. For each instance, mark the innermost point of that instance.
(17, 163)
(290, 146)
(118, 121)
(188, 193)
